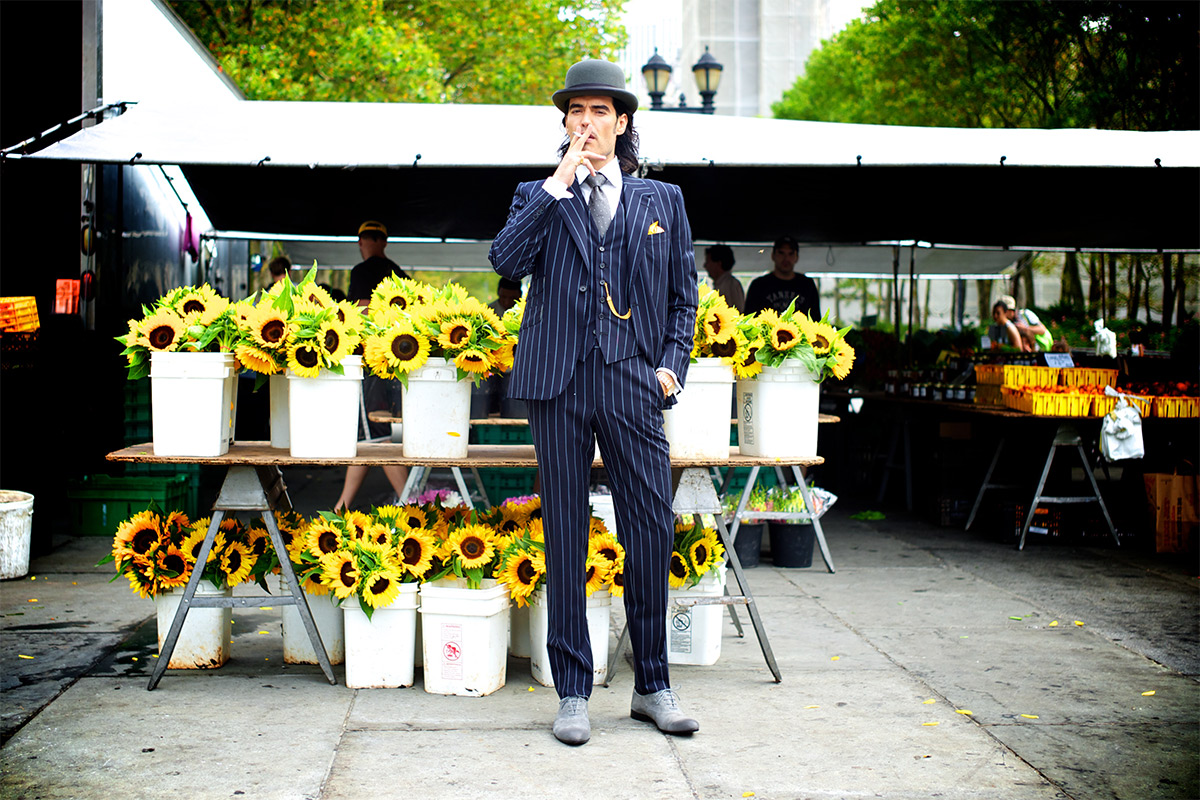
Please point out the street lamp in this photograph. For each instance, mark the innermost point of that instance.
(707, 72)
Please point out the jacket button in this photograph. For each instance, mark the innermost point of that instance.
(583, 287)
(601, 265)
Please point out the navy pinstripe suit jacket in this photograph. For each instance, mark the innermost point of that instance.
(548, 239)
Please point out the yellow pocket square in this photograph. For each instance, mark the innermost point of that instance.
(655, 228)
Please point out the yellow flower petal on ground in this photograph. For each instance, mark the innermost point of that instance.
(962, 711)
(928, 702)
(1054, 624)
(930, 724)
(1078, 623)
(1030, 716)
(1148, 694)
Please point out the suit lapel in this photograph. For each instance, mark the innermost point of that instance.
(575, 215)
(636, 197)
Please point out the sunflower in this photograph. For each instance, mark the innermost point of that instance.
(822, 337)
(679, 570)
(339, 573)
(137, 538)
(142, 582)
(402, 347)
(717, 324)
(473, 360)
(456, 333)
(236, 563)
(313, 585)
(749, 366)
(391, 293)
(304, 359)
(190, 547)
(323, 538)
(607, 547)
(176, 526)
(268, 326)
(356, 524)
(332, 337)
(172, 561)
(201, 305)
(412, 518)
(256, 359)
(314, 295)
(597, 568)
(380, 588)
(502, 356)
(616, 579)
(162, 330)
(512, 519)
(700, 556)
(258, 542)
(843, 359)
(522, 575)
(416, 552)
(536, 529)
(472, 545)
(784, 335)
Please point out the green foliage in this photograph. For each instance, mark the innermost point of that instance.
(999, 63)
(488, 51)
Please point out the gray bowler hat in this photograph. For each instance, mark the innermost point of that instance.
(595, 77)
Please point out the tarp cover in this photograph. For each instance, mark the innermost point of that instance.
(449, 170)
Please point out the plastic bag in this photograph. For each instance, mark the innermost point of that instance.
(1106, 340)
(1121, 430)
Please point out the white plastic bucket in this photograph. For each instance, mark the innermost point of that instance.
(280, 419)
(297, 647)
(464, 634)
(698, 425)
(16, 530)
(207, 633)
(192, 397)
(379, 651)
(599, 611)
(323, 412)
(437, 411)
(777, 413)
(694, 632)
(518, 631)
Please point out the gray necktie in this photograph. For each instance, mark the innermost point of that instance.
(598, 205)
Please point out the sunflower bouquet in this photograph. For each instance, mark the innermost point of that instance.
(157, 552)
(522, 565)
(470, 550)
(697, 552)
(794, 335)
(298, 327)
(412, 322)
(605, 564)
(187, 319)
(364, 555)
(718, 334)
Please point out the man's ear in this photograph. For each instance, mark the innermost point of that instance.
(622, 124)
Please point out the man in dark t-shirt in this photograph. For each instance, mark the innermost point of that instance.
(777, 288)
(375, 266)
(377, 392)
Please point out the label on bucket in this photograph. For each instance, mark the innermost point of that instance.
(746, 428)
(681, 632)
(452, 651)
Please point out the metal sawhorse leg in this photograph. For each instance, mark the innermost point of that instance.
(818, 531)
(245, 488)
(1067, 436)
(695, 495)
(987, 484)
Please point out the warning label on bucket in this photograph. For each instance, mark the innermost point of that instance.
(681, 632)
(452, 652)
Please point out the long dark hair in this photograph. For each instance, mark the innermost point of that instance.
(626, 149)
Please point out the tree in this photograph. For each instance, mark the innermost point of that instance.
(997, 63)
(488, 51)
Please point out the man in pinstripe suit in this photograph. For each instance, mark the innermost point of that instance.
(604, 345)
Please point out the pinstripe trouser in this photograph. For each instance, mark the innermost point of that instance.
(619, 405)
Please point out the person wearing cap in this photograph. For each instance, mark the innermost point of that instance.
(778, 288)
(605, 342)
(1020, 328)
(718, 263)
(377, 392)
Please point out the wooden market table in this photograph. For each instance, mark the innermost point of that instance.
(254, 482)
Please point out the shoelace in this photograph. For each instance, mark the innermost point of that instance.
(573, 705)
(670, 700)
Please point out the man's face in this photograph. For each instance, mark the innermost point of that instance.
(784, 258)
(714, 268)
(508, 297)
(596, 118)
(369, 246)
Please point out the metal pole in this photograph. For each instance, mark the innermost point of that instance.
(896, 288)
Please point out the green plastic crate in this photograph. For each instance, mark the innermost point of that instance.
(502, 484)
(191, 472)
(99, 503)
(501, 434)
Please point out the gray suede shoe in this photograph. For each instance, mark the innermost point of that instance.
(571, 726)
(662, 708)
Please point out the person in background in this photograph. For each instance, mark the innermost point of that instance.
(278, 267)
(718, 262)
(335, 294)
(778, 288)
(377, 393)
(508, 292)
(1004, 331)
(1033, 334)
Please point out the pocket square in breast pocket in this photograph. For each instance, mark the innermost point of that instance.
(655, 228)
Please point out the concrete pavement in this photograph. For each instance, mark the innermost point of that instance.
(918, 624)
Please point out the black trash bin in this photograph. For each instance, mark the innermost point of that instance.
(749, 544)
(791, 544)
